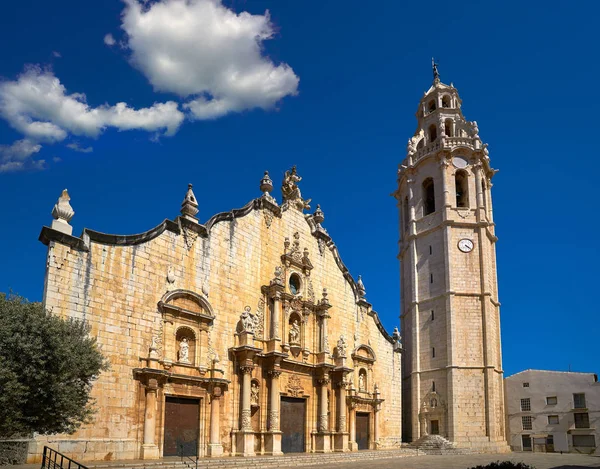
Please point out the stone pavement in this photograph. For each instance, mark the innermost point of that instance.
(393, 459)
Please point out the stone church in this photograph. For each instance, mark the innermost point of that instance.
(244, 335)
(247, 335)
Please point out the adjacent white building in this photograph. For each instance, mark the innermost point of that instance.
(553, 411)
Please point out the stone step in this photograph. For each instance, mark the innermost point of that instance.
(300, 459)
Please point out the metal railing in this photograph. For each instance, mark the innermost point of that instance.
(190, 462)
(54, 460)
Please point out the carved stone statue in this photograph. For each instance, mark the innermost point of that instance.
(295, 333)
(361, 382)
(184, 351)
(341, 347)
(247, 320)
(291, 192)
(254, 394)
(396, 335)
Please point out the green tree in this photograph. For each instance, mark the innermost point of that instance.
(47, 367)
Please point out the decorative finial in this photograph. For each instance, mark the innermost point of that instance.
(361, 287)
(436, 74)
(62, 213)
(189, 206)
(325, 300)
(266, 185)
(318, 216)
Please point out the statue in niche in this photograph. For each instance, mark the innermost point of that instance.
(341, 346)
(291, 191)
(361, 382)
(184, 351)
(247, 320)
(434, 403)
(254, 394)
(295, 332)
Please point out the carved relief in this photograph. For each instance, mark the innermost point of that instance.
(246, 416)
(294, 386)
(323, 422)
(341, 347)
(321, 244)
(291, 191)
(268, 217)
(342, 423)
(259, 319)
(311, 292)
(273, 417)
(189, 237)
(184, 351)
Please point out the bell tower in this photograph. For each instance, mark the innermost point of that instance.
(452, 365)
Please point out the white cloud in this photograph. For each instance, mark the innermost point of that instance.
(109, 40)
(78, 148)
(199, 49)
(38, 106)
(17, 156)
(56, 54)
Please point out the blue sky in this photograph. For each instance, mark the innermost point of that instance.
(333, 88)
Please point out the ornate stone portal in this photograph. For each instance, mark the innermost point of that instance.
(171, 309)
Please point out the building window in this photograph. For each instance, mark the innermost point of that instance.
(527, 422)
(449, 128)
(552, 419)
(433, 352)
(428, 197)
(551, 400)
(587, 441)
(579, 401)
(525, 385)
(526, 405)
(462, 189)
(582, 420)
(431, 106)
(550, 441)
(433, 386)
(526, 439)
(406, 214)
(432, 133)
(430, 278)
(446, 101)
(430, 250)
(432, 315)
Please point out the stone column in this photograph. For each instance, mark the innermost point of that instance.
(149, 447)
(376, 429)
(323, 438)
(276, 316)
(352, 423)
(324, 336)
(215, 448)
(246, 442)
(273, 437)
(341, 438)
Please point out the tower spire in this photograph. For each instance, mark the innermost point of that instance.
(436, 74)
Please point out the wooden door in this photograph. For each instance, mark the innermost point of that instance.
(293, 424)
(362, 430)
(435, 427)
(182, 425)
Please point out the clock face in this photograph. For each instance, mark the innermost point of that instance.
(465, 245)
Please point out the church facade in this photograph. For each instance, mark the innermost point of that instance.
(452, 365)
(244, 335)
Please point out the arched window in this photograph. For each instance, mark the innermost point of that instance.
(446, 101)
(432, 133)
(405, 213)
(462, 189)
(449, 128)
(428, 197)
(421, 144)
(431, 106)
